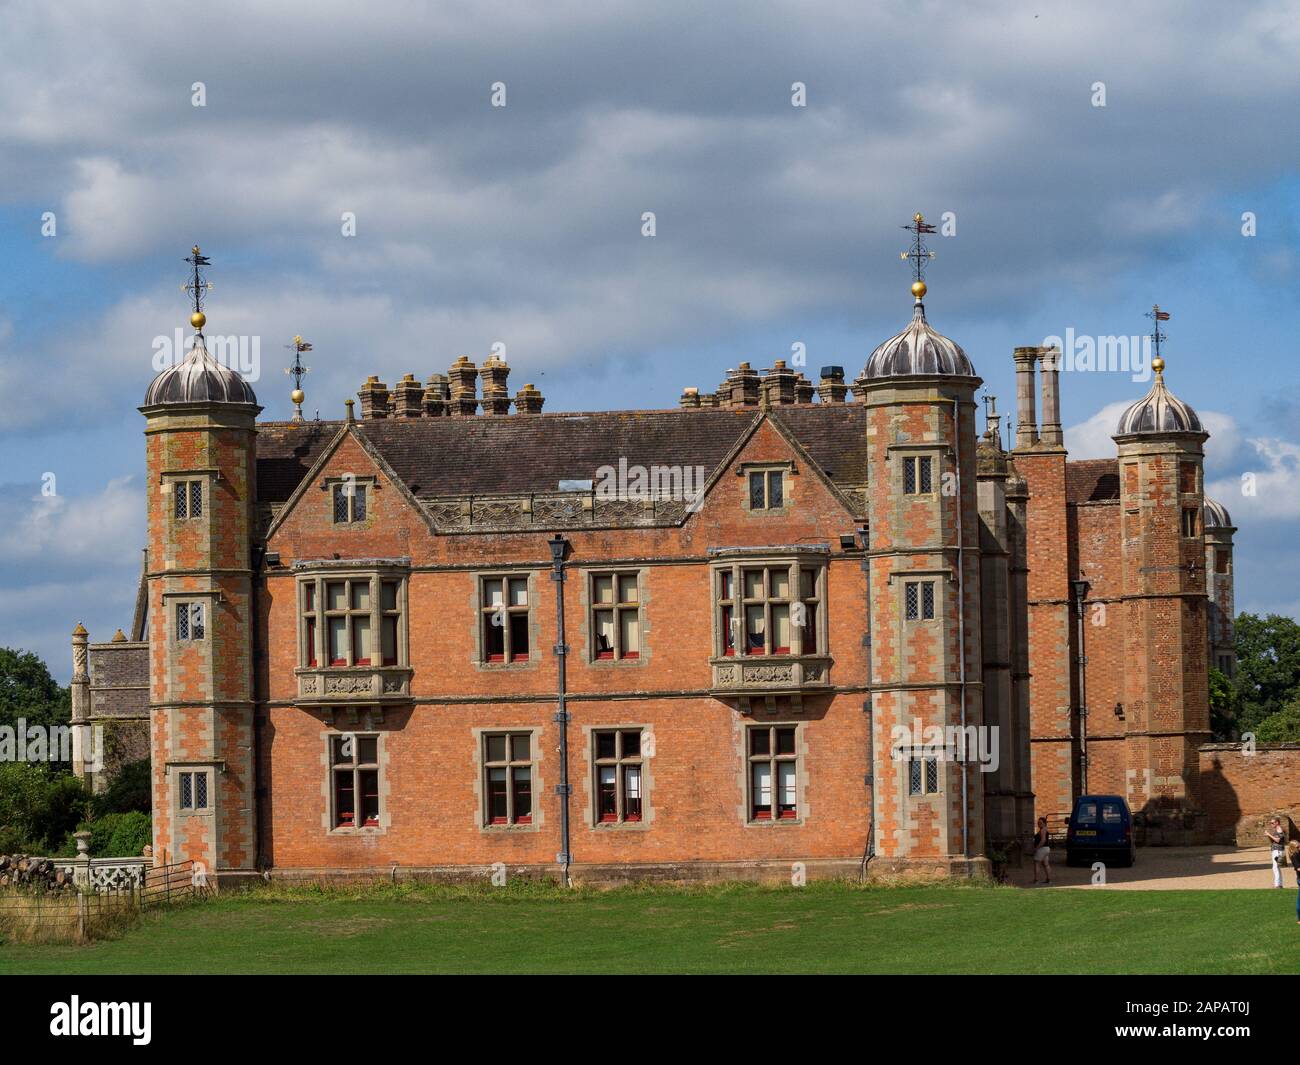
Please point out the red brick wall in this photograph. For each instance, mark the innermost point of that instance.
(695, 786)
(1240, 791)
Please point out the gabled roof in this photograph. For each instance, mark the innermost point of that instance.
(1092, 481)
(517, 454)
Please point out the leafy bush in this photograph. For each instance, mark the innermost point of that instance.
(38, 807)
(116, 835)
(1281, 727)
(130, 790)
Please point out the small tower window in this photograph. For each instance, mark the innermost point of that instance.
(1189, 521)
(918, 600)
(923, 776)
(188, 497)
(190, 621)
(918, 478)
(349, 503)
(194, 791)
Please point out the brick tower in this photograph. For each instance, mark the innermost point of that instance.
(200, 432)
(924, 571)
(1163, 606)
(1218, 576)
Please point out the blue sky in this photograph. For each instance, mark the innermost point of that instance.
(775, 224)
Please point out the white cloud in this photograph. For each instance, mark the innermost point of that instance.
(1268, 488)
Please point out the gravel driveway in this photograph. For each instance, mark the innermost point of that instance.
(1168, 868)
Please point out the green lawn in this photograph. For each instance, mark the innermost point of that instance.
(822, 928)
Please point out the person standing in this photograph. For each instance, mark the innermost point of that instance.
(1043, 855)
(1293, 855)
(1277, 848)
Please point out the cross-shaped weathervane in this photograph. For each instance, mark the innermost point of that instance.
(918, 253)
(196, 286)
(297, 370)
(1157, 316)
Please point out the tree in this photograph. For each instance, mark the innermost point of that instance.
(1268, 667)
(1282, 727)
(28, 691)
(38, 807)
(1223, 707)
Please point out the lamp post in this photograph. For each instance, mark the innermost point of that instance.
(1080, 590)
(560, 549)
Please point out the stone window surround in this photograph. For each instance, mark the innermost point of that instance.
(328, 817)
(480, 778)
(647, 777)
(904, 759)
(940, 577)
(588, 574)
(319, 576)
(800, 773)
(367, 480)
(477, 615)
(210, 768)
(210, 598)
(172, 480)
(786, 466)
(796, 560)
(936, 450)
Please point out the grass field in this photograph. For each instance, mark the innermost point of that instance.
(822, 928)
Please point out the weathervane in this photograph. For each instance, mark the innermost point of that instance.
(296, 371)
(197, 287)
(1157, 316)
(918, 253)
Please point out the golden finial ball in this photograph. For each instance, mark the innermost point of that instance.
(198, 319)
(918, 289)
(297, 395)
(1158, 364)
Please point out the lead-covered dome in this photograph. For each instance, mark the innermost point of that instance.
(1159, 411)
(1216, 515)
(198, 378)
(919, 350)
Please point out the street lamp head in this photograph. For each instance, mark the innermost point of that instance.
(559, 548)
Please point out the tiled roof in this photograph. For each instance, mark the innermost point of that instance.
(512, 454)
(1092, 480)
(285, 452)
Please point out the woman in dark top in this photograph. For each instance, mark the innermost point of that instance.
(1043, 855)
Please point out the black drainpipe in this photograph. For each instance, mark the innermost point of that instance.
(559, 552)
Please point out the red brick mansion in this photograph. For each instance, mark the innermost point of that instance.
(357, 656)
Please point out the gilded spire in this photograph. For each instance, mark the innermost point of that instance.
(1157, 316)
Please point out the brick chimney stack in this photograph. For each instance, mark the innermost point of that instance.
(374, 398)
(778, 385)
(690, 398)
(831, 388)
(1026, 419)
(529, 401)
(408, 396)
(741, 388)
(437, 396)
(464, 377)
(803, 389)
(496, 398)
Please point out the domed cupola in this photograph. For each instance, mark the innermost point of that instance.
(1215, 515)
(919, 350)
(198, 378)
(1159, 411)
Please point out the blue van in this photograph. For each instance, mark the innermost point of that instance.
(1100, 829)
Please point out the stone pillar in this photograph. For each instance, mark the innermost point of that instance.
(1026, 421)
(1051, 434)
(80, 699)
